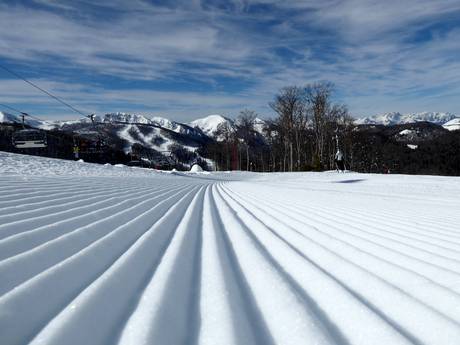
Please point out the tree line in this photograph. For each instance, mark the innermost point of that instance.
(303, 135)
(309, 127)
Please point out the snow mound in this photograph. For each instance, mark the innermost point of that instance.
(196, 168)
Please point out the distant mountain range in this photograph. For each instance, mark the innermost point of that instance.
(207, 125)
(396, 118)
(210, 124)
(160, 133)
(125, 130)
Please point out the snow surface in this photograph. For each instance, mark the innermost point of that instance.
(453, 124)
(406, 132)
(154, 139)
(100, 254)
(196, 168)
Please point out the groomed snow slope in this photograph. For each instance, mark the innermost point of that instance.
(93, 254)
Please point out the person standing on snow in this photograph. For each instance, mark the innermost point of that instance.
(339, 161)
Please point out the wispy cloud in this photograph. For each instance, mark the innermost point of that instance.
(187, 58)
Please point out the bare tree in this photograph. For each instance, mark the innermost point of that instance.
(245, 128)
(327, 120)
(290, 105)
(318, 97)
(302, 136)
(225, 134)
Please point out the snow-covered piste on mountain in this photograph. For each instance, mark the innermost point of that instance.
(104, 254)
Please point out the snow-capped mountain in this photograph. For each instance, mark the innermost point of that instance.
(155, 133)
(158, 121)
(396, 118)
(453, 124)
(259, 125)
(126, 118)
(210, 124)
(164, 122)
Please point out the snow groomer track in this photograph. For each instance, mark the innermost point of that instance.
(93, 254)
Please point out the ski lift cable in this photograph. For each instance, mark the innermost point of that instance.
(24, 113)
(11, 108)
(42, 90)
(34, 117)
(20, 112)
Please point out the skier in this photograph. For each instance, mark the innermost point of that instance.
(76, 150)
(339, 161)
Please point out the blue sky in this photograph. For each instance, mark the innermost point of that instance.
(187, 59)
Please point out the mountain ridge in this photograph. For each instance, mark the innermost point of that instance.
(397, 118)
(208, 126)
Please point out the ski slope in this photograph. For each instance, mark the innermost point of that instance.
(94, 254)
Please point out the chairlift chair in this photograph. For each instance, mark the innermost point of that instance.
(29, 138)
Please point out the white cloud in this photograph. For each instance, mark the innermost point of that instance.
(365, 47)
